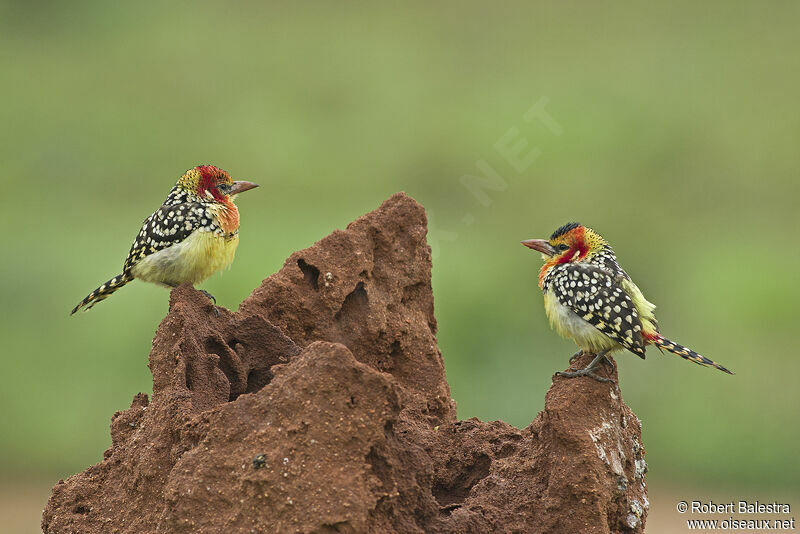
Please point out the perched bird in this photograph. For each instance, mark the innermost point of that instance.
(589, 298)
(191, 236)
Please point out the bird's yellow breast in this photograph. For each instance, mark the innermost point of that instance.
(192, 260)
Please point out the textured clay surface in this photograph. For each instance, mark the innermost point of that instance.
(322, 406)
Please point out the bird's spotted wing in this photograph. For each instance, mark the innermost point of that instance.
(596, 295)
(166, 227)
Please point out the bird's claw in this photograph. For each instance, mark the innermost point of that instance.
(589, 370)
(583, 372)
(575, 356)
(211, 297)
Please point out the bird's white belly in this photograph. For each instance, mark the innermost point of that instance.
(192, 260)
(570, 325)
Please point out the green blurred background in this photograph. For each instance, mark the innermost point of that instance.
(671, 130)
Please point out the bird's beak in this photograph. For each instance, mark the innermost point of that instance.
(240, 187)
(541, 245)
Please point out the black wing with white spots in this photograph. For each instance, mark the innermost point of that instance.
(169, 225)
(606, 259)
(596, 295)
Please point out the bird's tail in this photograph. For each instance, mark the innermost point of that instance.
(687, 354)
(103, 292)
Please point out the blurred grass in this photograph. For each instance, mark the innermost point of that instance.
(680, 126)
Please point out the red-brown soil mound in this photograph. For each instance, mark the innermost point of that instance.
(322, 406)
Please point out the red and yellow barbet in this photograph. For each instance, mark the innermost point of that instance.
(590, 299)
(191, 236)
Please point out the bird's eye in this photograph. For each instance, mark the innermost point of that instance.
(562, 247)
(224, 188)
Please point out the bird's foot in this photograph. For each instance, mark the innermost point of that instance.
(607, 361)
(583, 372)
(589, 370)
(575, 356)
(211, 297)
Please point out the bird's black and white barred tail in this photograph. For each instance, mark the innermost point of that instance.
(103, 292)
(686, 353)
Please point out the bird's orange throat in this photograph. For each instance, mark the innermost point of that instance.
(577, 251)
(552, 262)
(543, 272)
(228, 216)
